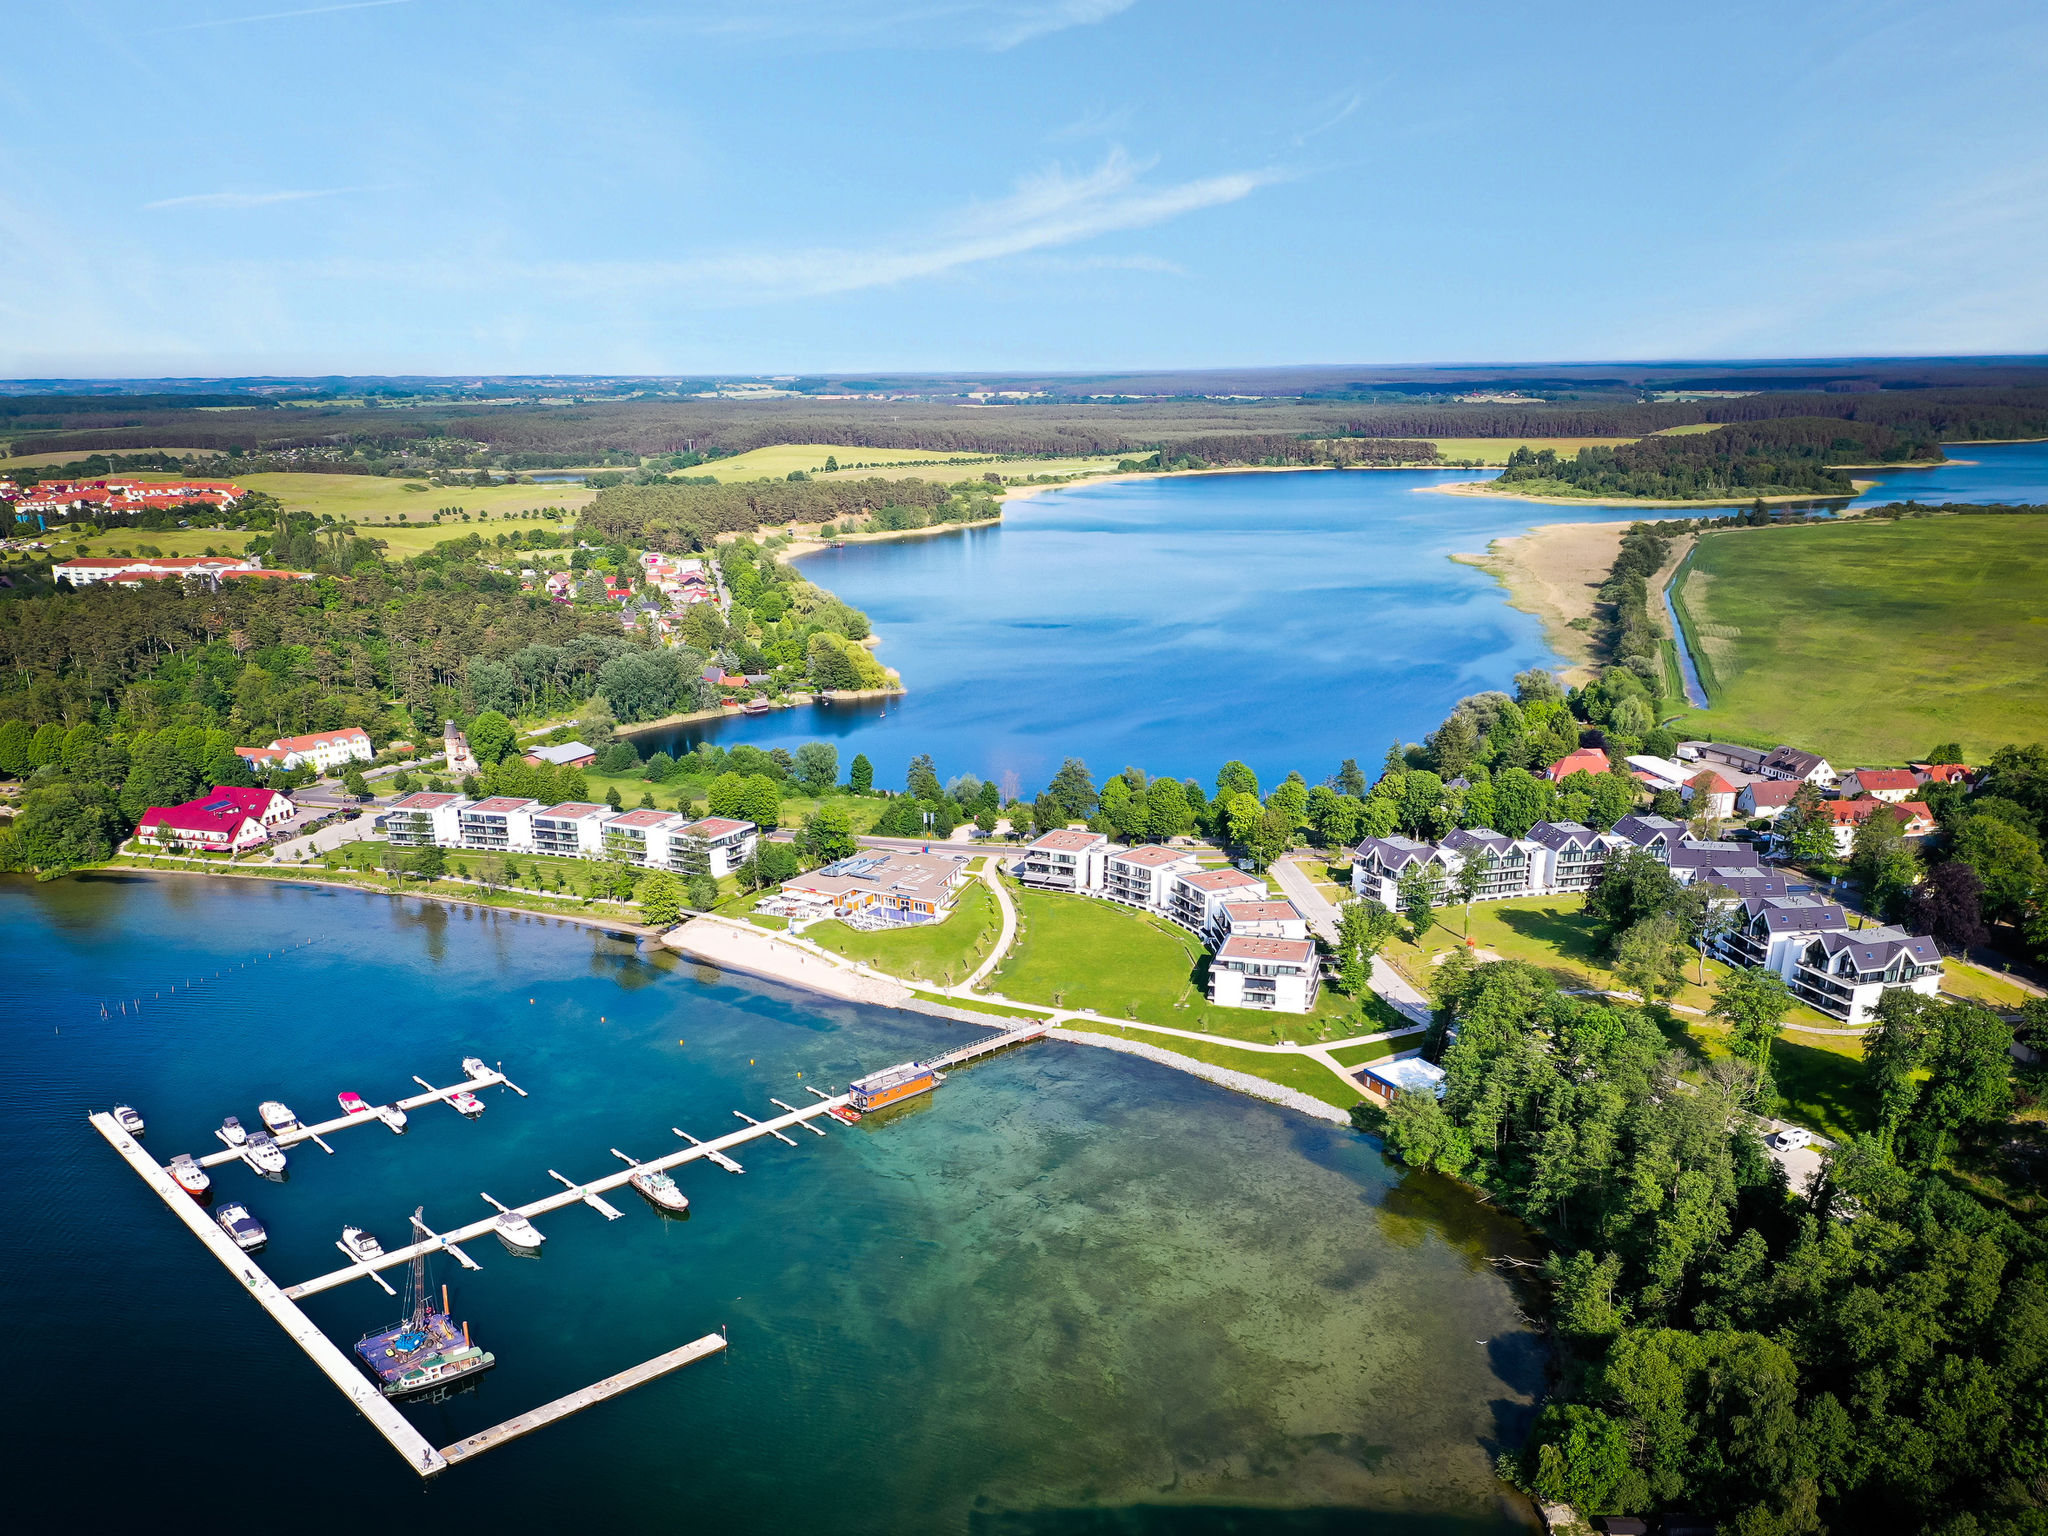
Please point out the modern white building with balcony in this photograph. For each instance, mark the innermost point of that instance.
(1280, 974)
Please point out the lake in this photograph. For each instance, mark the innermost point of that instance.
(1072, 1292)
(1291, 620)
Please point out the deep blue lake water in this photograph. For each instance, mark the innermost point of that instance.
(1070, 1293)
(1291, 620)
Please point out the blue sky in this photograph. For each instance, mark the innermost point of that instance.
(762, 186)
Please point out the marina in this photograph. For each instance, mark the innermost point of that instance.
(427, 1353)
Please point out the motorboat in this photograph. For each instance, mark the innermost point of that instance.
(392, 1116)
(277, 1118)
(517, 1233)
(263, 1154)
(473, 1066)
(353, 1103)
(466, 1103)
(231, 1132)
(426, 1352)
(360, 1245)
(128, 1119)
(660, 1190)
(190, 1176)
(245, 1229)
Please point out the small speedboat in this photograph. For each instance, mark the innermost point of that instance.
(245, 1229)
(128, 1119)
(358, 1244)
(392, 1116)
(190, 1176)
(263, 1154)
(277, 1118)
(660, 1190)
(845, 1114)
(473, 1066)
(231, 1132)
(517, 1233)
(353, 1103)
(466, 1103)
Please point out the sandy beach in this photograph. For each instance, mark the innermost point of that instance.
(1486, 488)
(734, 946)
(1554, 572)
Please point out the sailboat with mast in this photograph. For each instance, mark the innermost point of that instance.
(425, 1350)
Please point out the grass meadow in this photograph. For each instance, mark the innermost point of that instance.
(1870, 642)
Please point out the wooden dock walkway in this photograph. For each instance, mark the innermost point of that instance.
(342, 1122)
(575, 1402)
(341, 1369)
(713, 1150)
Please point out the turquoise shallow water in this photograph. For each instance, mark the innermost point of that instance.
(1073, 1292)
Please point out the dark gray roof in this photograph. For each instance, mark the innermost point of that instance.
(1642, 829)
(1793, 760)
(1395, 852)
(1795, 914)
(1729, 753)
(1479, 837)
(1746, 883)
(1559, 835)
(1872, 949)
(1696, 855)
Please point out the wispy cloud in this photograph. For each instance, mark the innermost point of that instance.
(997, 25)
(1050, 209)
(245, 199)
(1095, 123)
(1330, 121)
(311, 10)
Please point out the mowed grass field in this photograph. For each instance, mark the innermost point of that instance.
(1871, 642)
(777, 460)
(370, 499)
(1495, 450)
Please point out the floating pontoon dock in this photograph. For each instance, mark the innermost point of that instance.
(282, 1302)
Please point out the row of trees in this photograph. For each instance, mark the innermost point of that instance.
(1790, 456)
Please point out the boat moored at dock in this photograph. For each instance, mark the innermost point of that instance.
(236, 1220)
(474, 1067)
(358, 1244)
(892, 1085)
(392, 1116)
(466, 1104)
(263, 1155)
(517, 1233)
(655, 1186)
(128, 1118)
(427, 1351)
(277, 1118)
(191, 1178)
(352, 1103)
(231, 1132)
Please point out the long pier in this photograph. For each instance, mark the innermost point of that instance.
(340, 1368)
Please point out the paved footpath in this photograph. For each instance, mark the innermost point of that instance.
(1394, 988)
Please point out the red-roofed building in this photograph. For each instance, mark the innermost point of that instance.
(1944, 773)
(223, 821)
(1915, 819)
(325, 749)
(1584, 760)
(1892, 784)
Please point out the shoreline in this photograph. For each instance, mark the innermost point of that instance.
(1480, 488)
(1543, 573)
(692, 717)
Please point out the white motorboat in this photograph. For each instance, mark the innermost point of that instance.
(231, 1132)
(466, 1103)
(660, 1190)
(392, 1116)
(263, 1154)
(245, 1229)
(517, 1233)
(473, 1066)
(128, 1119)
(277, 1118)
(360, 1245)
(190, 1176)
(352, 1103)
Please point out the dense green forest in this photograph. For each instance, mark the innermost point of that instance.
(1791, 456)
(690, 517)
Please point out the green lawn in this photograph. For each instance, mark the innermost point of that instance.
(1296, 1072)
(1981, 986)
(1870, 642)
(1495, 450)
(1819, 1080)
(945, 952)
(1075, 952)
(1374, 1050)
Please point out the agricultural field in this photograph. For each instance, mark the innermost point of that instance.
(172, 542)
(73, 455)
(372, 499)
(402, 540)
(1495, 450)
(779, 459)
(1870, 642)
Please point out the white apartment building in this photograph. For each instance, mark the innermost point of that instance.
(1261, 920)
(501, 824)
(1841, 971)
(1143, 877)
(715, 846)
(425, 820)
(1197, 901)
(1280, 974)
(324, 750)
(1556, 858)
(1068, 859)
(573, 829)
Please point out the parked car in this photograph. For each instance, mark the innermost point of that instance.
(1792, 1138)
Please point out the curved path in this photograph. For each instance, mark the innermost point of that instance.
(1006, 938)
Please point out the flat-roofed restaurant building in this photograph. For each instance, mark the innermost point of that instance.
(571, 830)
(1197, 900)
(715, 846)
(424, 820)
(641, 837)
(1387, 1080)
(501, 824)
(1065, 859)
(876, 889)
(1142, 877)
(1281, 974)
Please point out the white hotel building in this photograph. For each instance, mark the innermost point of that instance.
(575, 829)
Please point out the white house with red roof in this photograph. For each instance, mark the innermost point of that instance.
(324, 750)
(1584, 760)
(1893, 784)
(133, 571)
(501, 824)
(1196, 900)
(1262, 920)
(574, 829)
(225, 820)
(715, 846)
(1065, 859)
(425, 820)
(1845, 816)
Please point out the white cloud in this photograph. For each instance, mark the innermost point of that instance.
(244, 199)
(993, 24)
(1047, 210)
(1095, 123)
(311, 10)
(1331, 120)
(1016, 24)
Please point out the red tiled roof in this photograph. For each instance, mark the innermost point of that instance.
(716, 826)
(1873, 779)
(574, 810)
(425, 800)
(1238, 947)
(644, 817)
(1069, 840)
(1152, 857)
(1591, 759)
(1221, 880)
(500, 803)
(320, 739)
(1261, 911)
